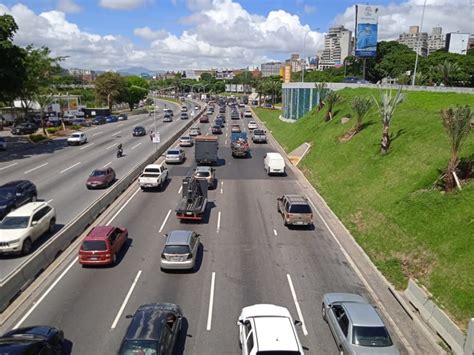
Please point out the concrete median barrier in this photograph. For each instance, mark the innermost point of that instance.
(27, 271)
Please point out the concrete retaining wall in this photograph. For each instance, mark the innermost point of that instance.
(27, 271)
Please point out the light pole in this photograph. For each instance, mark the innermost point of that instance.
(418, 43)
(304, 55)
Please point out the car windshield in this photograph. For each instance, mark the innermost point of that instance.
(300, 209)
(98, 173)
(202, 174)
(138, 128)
(6, 194)
(176, 249)
(143, 347)
(89, 245)
(152, 170)
(371, 336)
(17, 222)
(75, 135)
(173, 152)
(257, 131)
(185, 138)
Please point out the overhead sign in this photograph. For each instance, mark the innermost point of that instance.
(366, 27)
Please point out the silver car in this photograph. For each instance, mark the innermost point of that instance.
(185, 141)
(175, 155)
(356, 326)
(180, 250)
(194, 131)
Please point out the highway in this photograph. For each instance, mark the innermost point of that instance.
(60, 171)
(247, 257)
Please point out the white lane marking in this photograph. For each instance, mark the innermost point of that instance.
(86, 146)
(211, 301)
(120, 125)
(222, 183)
(106, 165)
(110, 146)
(29, 171)
(298, 309)
(72, 166)
(218, 221)
(121, 208)
(122, 307)
(91, 129)
(275, 232)
(117, 133)
(37, 303)
(164, 222)
(136, 145)
(96, 133)
(180, 189)
(225, 142)
(8, 166)
(50, 200)
(222, 191)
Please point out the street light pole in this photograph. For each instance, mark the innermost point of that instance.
(304, 55)
(418, 44)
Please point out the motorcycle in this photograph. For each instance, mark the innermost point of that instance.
(119, 153)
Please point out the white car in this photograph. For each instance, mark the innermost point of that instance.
(21, 227)
(194, 131)
(252, 125)
(77, 138)
(248, 114)
(268, 328)
(185, 141)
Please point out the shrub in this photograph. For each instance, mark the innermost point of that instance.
(37, 137)
(52, 130)
(76, 127)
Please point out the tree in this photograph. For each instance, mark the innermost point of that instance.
(361, 107)
(332, 98)
(456, 122)
(386, 108)
(448, 71)
(320, 90)
(110, 88)
(137, 89)
(44, 100)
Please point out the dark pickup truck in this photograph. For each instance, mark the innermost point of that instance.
(193, 199)
(239, 144)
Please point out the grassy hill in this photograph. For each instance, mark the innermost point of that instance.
(407, 227)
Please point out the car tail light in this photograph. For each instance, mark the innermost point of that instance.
(190, 256)
(108, 255)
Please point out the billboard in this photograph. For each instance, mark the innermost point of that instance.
(366, 27)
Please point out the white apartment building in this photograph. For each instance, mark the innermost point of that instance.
(337, 46)
(436, 40)
(416, 40)
(271, 69)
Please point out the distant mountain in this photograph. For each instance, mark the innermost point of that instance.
(138, 71)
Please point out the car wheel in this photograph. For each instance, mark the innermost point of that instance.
(114, 259)
(323, 312)
(34, 198)
(26, 247)
(52, 224)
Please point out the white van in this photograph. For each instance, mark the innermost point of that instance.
(274, 163)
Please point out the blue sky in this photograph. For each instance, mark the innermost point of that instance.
(186, 34)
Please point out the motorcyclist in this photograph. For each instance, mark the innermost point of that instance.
(119, 150)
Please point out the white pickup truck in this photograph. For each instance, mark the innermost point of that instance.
(153, 176)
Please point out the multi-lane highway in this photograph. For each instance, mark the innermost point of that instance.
(60, 172)
(247, 257)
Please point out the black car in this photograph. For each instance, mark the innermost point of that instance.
(154, 329)
(216, 129)
(221, 117)
(14, 194)
(139, 131)
(222, 109)
(40, 339)
(25, 128)
(99, 120)
(184, 116)
(218, 122)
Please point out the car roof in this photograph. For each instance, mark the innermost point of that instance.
(275, 333)
(99, 232)
(179, 237)
(363, 314)
(15, 183)
(27, 209)
(203, 168)
(297, 199)
(274, 155)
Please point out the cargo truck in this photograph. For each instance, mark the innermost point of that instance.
(205, 150)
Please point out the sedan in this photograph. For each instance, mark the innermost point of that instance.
(235, 128)
(3, 144)
(167, 118)
(356, 326)
(175, 156)
(100, 178)
(186, 141)
(180, 250)
(99, 120)
(123, 117)
(111, 119)
(40, 339)
(216, 129)
(139, 131)
(252, 125)
(204, 119)
(194, 131)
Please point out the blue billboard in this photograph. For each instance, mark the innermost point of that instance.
(366, 31)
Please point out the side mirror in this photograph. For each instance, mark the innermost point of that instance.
(34, 223)
(297, 322)
(165, 235)
(129, 316)
(19, 194)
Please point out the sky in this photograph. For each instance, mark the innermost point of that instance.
(203, 34)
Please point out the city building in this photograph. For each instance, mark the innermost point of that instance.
(271, 69)
(224, 74)
(337, 46)
(295, 63)
(436, 40)
(83, 74)
(298, 99)
(457, 42)
(415, 40)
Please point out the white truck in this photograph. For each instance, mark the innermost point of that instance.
(153, 176)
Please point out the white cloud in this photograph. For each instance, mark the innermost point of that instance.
(148, 34)
(68, 6)
(122, 4)
(309, 9)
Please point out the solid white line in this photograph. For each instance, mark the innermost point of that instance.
(110, 146)
(300, 315)
(218, 221)
(86, 146)
(72, 166)
(180, 189)
(106, 165)
(8, 166)
(37, 303)
(136, 145)
(96, 133)
(222, 183)
(121, 208)
(225, 142)
(164, 222)
(29, 171)
(122, 307)
(222, 191)
(275, 232)
(211, 301)
(50, 200)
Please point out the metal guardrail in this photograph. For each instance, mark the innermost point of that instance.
(27, 271)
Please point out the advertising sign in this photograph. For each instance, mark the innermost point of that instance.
(366, 27)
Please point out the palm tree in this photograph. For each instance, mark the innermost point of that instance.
(431, 75)
(44, 101)
(331, 100)
(448, 71)
(260, 89)
(361, 107)
(457, 122)
(274, 88)
(386, 108)
(320, 89)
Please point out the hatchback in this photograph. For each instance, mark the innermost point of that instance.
(216, 129)
(235, 128)
(139, 131)
(101, 245)
(175, 156)
(100, 178)
(180, 250)
(167, 118)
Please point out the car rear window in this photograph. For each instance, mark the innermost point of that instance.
(89, 245)
(371, 336)
(202, 174)
(173, 152)
(176, 249)
(98, 173)
(300, 208)
(151, 170)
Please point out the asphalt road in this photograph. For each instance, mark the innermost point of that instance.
(247, 257)
(60, 171)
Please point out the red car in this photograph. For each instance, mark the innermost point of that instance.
(101, 245)
(204, 119)
(100, 178)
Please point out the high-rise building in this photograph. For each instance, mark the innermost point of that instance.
(416, 40)
(337, 46)
(436, 40)
(294, 62)
(271, 69)
(457, 42)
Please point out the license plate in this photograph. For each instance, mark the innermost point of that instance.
(176, 258)
(93, 258)
(189, 213)
(299, 222)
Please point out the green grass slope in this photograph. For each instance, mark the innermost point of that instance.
(408, 228)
